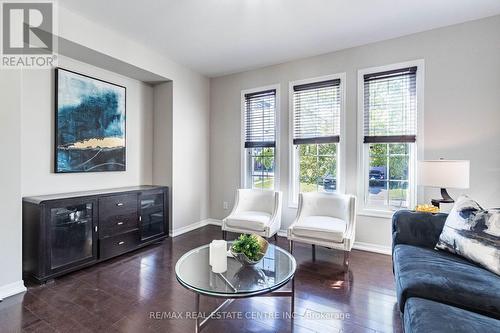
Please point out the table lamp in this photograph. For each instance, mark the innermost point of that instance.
(444, 174)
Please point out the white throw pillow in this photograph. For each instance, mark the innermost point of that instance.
(473, 233)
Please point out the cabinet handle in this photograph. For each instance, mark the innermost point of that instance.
(95, 228)
(119, 223)
(121, 243)
(119, 204)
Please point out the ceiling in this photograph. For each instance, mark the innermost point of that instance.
(217, 37)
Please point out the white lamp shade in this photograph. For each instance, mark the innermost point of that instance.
(444, 173)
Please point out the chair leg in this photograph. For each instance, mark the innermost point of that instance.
(314, 252)
(346, 260)
(290, 246)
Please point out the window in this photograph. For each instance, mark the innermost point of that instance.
(316, 112)
(388, 108)
(259, 141)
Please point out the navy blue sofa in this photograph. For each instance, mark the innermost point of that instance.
(438, 291)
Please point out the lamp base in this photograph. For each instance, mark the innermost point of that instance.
(445, 198)
(436, 202)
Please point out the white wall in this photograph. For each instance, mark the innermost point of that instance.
(37, 94)
(462, 111)
(10, 184)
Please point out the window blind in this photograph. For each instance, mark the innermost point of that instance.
(316, 110)
(260, 124)
(390, 106)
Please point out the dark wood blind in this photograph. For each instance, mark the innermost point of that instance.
(316, 112)
(390, 106)
(260, 119)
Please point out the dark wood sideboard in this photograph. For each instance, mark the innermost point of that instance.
(66, 232)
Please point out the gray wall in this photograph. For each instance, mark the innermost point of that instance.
(27, 137)
(162, 131)
(189, 147)
(38, 134)
(462, 111)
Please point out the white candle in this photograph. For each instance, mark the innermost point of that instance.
(210, 255)
(218, 256)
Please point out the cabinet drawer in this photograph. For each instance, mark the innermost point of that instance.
(116, 245)
(118, 224)
(117, 205)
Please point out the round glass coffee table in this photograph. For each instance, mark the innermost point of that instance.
(276, 269)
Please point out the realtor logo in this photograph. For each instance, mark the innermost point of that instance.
(27, 35)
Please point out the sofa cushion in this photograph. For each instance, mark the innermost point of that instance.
(249, 220)
(446, 278)
(424, 316)
(473, 233)
(320, 227)
(417, 228)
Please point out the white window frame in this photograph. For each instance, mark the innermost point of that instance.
(293, 182)
(244, 181)
(416, 150)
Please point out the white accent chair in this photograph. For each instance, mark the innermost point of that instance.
(254, 211)
(325, 219)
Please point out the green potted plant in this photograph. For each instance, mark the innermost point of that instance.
(249, 249)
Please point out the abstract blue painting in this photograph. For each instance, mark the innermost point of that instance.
(90, 124)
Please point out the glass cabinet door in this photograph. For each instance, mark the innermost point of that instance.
(71, 234)
(152, 215)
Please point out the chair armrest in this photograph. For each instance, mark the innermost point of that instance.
(417, 228)
(236, 206)
(275, 220)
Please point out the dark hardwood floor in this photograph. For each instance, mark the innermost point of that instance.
(119, 296)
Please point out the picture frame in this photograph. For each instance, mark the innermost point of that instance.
(90, 124)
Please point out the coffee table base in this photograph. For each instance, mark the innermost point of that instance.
(200, 324)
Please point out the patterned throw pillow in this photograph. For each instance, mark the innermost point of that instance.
(473, 233)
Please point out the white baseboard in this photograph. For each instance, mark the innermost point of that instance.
(12, 289)
(193, 226)
(214, 222)
(369, 247)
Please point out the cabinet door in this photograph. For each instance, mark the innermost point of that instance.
(152, 215)
(71, 234)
